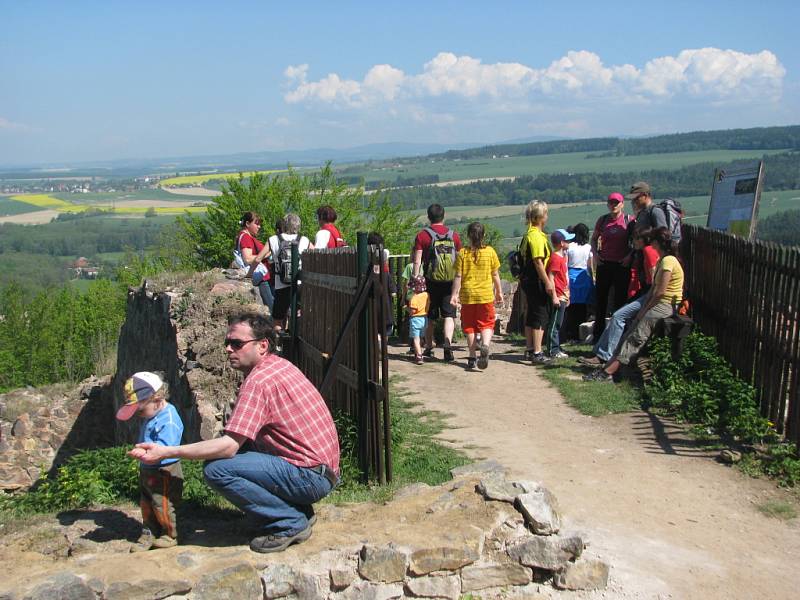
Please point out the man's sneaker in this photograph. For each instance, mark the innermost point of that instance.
(540, 359)
(278, 543)
(560, 354)
(428, 353)
(591, 361)
(144, 543)
(164, 541)
(598, 375)
(418, 360)
(448, 352)
(483, 359)
(471, 363)
(529, 355)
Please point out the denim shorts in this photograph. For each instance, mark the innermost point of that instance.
(416, 326)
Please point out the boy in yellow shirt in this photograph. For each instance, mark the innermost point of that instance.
(417, 307)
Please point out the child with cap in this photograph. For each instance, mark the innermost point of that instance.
(417, 307)
(160, 485)
(559, 276)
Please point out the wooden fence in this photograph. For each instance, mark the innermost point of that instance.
(337, 343)
(747, 295)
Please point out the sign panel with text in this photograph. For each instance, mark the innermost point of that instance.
(734, 200)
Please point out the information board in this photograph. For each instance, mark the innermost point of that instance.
(734, 200)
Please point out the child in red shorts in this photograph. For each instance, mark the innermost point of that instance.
(476, 287)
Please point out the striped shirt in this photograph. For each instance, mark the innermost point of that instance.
(284, 415)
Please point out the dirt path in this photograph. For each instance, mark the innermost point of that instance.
(672, 522)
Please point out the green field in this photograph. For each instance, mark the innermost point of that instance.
(147, 194)
(10, 207)
(573, 162)
(510, 220)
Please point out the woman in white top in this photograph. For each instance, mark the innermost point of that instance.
(281, 248)
(581, 285)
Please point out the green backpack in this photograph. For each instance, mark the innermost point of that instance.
(441, 262)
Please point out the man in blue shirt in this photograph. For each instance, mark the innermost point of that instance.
(160, 484)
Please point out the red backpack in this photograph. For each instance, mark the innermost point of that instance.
(336, 240)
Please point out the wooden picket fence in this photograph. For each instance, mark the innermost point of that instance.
(747, 295)
(339, 343)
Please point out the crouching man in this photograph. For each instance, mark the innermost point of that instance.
(291, 456)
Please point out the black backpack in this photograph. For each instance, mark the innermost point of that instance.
(516, 263)
(283, 261)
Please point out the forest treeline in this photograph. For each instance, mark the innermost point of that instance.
(782, 172)
(757, 138)
(74, 236)
(782, 227)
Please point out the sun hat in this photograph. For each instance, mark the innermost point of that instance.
(638, 188)
(561, 235)
(138, 388)
(616, 197)
(418, 284)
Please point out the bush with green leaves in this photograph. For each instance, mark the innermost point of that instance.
(701, 387)
(210, 237)
(102, 476)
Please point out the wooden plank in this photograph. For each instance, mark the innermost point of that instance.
(340, 283)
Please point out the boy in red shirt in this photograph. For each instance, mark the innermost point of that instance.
(559, 275)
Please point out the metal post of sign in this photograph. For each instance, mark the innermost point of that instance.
(757, 200)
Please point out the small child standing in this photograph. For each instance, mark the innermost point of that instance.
(559, 276)
(417, 307)
(160, 485)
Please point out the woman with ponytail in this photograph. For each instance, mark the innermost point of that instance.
(476, 287)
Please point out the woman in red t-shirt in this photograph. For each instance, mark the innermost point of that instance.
(255, 255)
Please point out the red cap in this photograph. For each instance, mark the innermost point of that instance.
(616, 197)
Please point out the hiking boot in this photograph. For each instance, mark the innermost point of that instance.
(559, 354)
(448, 352)
(483, 359)
(418, 360)
(598, 375)
(428, 353)
(144, 543)
(540, 359)
(471, 363)
(278, 543)
(164, 541)
(592, 361)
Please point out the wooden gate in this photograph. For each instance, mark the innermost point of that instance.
(339, 342)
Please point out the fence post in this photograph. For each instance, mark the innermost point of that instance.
(363, 362)
(293, 303)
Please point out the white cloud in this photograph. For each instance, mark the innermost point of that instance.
(709, 74)
(7, 125)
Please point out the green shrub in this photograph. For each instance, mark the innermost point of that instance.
(700, 387)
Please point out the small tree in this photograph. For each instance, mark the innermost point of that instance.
(271, 196)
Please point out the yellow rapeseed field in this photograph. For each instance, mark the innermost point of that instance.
(44, 201)
(201, 179)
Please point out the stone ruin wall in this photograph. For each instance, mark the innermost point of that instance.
(176, 327)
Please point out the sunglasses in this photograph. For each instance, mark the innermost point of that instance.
(239, 344)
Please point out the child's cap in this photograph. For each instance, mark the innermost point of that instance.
(138, 388)
(418, 284)
(561, 235)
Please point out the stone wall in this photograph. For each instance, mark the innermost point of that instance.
(173, 324)
(479, 534)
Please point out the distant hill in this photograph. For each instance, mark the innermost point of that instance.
(758, 138)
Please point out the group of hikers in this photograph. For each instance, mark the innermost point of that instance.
(626, 267)
(279, 451)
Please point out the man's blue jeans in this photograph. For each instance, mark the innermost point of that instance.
(269, 488)
(612, 334)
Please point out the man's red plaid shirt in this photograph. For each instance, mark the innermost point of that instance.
(284, 415)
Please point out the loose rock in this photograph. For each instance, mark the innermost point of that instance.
(382, 564)
(540, 509)
(591, 574)
(546, 552)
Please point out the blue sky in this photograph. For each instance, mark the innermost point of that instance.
(104, 80)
